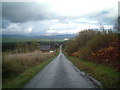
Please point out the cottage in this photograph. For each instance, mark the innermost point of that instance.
(45, 47)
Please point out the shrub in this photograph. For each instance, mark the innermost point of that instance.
(100, 47)
(97, 42)
(73, 45)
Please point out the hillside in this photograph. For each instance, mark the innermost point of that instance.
(97, 47)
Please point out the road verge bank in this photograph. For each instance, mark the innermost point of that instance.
(106, 75)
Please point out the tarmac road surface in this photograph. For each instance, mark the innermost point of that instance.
(59, 73)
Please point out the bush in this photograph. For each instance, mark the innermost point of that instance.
(100, 47)
(71, 46)
(79, 41)
(97, 42)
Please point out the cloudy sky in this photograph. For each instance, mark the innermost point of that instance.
(53, 17)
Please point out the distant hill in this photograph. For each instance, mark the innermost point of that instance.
(41, 36)
(13, 36)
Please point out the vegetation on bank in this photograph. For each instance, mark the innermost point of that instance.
(95, 46)
(19, 68)
(108, 77)
(96, 53)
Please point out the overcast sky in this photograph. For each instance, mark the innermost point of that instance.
(52, 17)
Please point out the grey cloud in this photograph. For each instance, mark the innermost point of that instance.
(25, 11)
(103, 17)
(20, 12)
(41, 18)
(5, 23)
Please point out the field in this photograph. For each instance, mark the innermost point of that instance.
(28, 39)
(19, 68)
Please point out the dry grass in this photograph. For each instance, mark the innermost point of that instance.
(14, 64)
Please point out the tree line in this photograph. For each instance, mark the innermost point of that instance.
(16, 47)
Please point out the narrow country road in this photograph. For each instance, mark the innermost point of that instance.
(60, 73)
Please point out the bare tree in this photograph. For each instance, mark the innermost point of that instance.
(101, 27)
(117, 25)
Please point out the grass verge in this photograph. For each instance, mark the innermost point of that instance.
(20, 80)
(108, 77)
